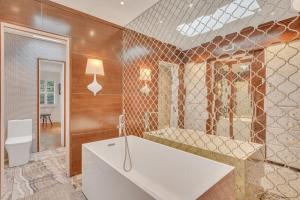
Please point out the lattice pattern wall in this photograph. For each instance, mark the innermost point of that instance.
(220, 79)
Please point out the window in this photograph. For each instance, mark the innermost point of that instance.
(47, 92)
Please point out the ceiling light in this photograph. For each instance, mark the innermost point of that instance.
(122, 2)
(191, 5)
(296, 5)
(161, 22)
(272, 13)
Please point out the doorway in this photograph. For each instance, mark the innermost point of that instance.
(233, 98)
(168, 83)
(51, 134)
(24, 34)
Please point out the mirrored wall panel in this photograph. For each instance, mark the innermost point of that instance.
(222, 82)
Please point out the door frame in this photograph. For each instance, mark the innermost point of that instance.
(38, 132)
(6, 27)
(238, 59)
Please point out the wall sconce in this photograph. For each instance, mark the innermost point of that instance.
(94, 66)
(145, 75)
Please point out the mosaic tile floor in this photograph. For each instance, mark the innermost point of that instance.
(44, 177)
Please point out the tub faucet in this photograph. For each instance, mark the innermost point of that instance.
(121, 125)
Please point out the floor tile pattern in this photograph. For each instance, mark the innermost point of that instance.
(44, 177)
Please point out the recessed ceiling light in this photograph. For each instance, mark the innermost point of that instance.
(161, 21)
(272, 13)
(122, 2)
(191, 5)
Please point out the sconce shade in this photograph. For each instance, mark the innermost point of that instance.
(94, 66)
(296, 5)
(145, 74)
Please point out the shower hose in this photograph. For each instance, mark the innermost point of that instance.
(127, 156)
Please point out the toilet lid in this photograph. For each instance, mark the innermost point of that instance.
(18, 140)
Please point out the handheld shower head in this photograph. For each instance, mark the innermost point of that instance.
(121, 125)
(122, 130)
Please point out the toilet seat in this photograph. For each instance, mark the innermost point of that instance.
(18, 140)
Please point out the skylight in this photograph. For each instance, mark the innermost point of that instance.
(231, 12)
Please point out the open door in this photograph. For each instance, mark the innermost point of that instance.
(51, 106)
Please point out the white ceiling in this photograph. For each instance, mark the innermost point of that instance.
(177, 23)
(110, 10)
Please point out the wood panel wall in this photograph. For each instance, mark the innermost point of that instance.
(92, 117)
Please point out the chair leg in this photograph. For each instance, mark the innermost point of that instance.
(50, 121)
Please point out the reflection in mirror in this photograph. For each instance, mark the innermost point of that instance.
(167, 95)
(195, 101)
(242, 103)
(164, 98)
(222, 93)
(232, 104)
(238, 96)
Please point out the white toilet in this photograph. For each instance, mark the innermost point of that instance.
(18, 142)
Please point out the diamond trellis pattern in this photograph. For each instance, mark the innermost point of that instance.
(222, 81)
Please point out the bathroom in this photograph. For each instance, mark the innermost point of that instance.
(212, 81)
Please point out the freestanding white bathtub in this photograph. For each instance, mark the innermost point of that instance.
(159, 172)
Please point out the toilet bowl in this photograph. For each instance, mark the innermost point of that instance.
(18, 142)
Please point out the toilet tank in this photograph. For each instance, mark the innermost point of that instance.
(19, 128)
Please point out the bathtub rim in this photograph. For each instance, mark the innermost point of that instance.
(131, 176)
